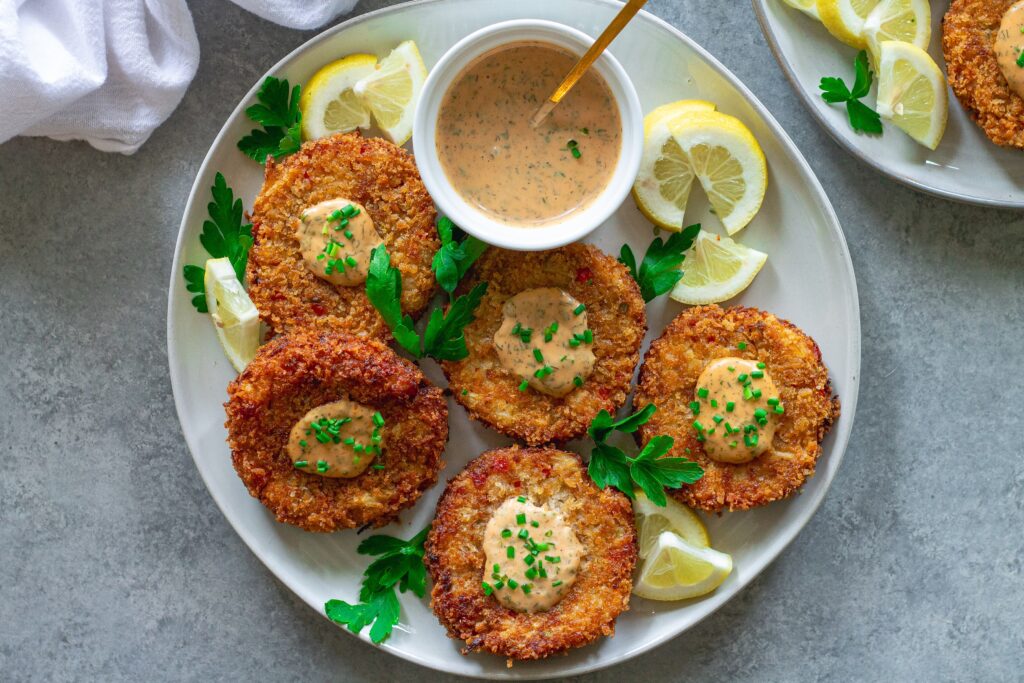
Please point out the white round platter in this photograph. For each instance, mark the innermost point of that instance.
(808, 280)
(966, 167)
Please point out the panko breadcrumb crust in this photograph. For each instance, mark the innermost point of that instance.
(615, 312)
(968, 42)
(668, 378)
(294, 373)
(382, 178)
(602, 520)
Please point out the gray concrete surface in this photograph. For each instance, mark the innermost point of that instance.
(116, 565)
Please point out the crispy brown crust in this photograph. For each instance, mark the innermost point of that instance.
(370, 171)
(669, 376)
(968, 38)
(602, 520)
(294, 373)
(615, 312)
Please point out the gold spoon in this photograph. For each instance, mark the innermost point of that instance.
(628, 11)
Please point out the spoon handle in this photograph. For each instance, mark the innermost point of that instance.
(627, 12)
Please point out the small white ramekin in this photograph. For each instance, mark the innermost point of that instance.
(472, 220)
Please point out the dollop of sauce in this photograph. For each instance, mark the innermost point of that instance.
(1009, 47)
(736, 408)
(531, 556)
(514, 172)
(336, 238)
(337, 439)
(544, 340)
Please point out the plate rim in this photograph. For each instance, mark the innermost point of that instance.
(841, 437)
(810, 105)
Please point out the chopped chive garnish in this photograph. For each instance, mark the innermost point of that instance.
(512, 583)
(378, 419)
(761, 366)
(695, 407)
(529, 559)
(506, 533)
(579, 309)
(521, 499)
(718, 419)
(510, 553)
(535, 524)
(741, 378)
(301, 463)
(773, 401)
(322, 466)
(527, 588)
(521, 518)
(779, 409)
(576, 154)
(488, 588)
(757, 374)
(729, 405)
(517, 328)
(577, 380)
(522, 385)
(556, 584)
(702, 392)
(588, 336)
(714, 403)
(538, 356)
(523, 533)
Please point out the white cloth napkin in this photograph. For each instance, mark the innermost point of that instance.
(110, 71)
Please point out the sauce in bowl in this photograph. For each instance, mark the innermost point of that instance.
(506, 168)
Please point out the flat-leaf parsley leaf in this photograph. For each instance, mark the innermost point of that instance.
(278, 113)
(400, 564)
(453, 259)
(650, 470)
(835, 91)
(224, 234)
(659, 271)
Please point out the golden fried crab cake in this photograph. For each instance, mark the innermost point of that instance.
(318, 216)
(555, 340)
(331, 431)
(528, 557)
(745, 395)
(974, 44)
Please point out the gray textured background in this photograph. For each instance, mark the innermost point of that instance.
(115, 563)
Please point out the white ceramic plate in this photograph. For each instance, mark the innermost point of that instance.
(966, 167)
(808, 280)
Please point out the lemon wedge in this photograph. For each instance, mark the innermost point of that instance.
(912, 92)
(329, 105)
(662, 186)
(727, 161)
(676, 570)
(808, 7)
(390, 92)
(652, 521)
(715, 269)
(844, 19)
(906, 20)
(234, 316)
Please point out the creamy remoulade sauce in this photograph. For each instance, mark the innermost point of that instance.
(544, 340)
(736, 408)
(531, 556)
(1009, 45)
(504, 166)
(336, 238)
(337, 439)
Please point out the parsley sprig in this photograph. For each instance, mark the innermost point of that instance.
(400, 564)
(659, 271)
(224, 234)
(610, 466)
(834, 91)
(278, 113)
(443, 337)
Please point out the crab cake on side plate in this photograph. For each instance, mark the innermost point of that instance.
(556, 339)
(331, 431)
(745, 395)
(974, 44)
(528, 557)
(319, 215)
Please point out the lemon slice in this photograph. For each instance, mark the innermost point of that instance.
(652, 521)
(716, 268)
(728, 162)
(234, 316)
(808, 7)
(844, 19)
(662, 186)
(912, 92)
(676, 570)
(328, 104)
(391, 91)
(906, 20)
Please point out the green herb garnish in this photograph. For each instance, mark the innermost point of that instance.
(610, 466)
(278, 113)
(453, 259)
(659, 271)
(834, 91)
(224, 235)
(400, 563)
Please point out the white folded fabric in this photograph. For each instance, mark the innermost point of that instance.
(110, 71)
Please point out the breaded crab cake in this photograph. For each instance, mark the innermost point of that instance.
(555, 340)
(528, 557)
(331, 431)
(745, 395)
(297, 276)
